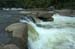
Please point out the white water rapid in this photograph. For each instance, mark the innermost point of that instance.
(59, 34)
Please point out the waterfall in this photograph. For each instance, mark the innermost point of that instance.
(59, 34)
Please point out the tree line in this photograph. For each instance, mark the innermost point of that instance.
(39, 3)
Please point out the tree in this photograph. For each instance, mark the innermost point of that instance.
(35, 3)
(41, 3)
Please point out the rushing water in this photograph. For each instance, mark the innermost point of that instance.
(59, 34)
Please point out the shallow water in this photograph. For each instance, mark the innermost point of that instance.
(7, 18)
(59, 34)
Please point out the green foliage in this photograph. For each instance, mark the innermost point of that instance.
(69, 4)
(47, 3)
(35, 3)
(38, 3)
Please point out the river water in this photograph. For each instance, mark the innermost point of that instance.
(7, 18)
(59, 34)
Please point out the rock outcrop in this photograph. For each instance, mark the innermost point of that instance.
(18, 34)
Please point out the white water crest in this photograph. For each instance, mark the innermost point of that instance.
(59, 34)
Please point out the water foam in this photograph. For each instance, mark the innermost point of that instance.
(61, 34)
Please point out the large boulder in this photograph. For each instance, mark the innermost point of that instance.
(18, 34)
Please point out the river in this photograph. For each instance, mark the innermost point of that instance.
(58, 34)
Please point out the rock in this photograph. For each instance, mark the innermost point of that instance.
(1, 47)
(11, 46)
(46, 17)
(65, 12)
(18, 34)
(32, 18)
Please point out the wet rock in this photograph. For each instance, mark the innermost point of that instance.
(46, 17)
(1, 47)
(18, 34)
(32, 18)
(66, 12)
(11, 46)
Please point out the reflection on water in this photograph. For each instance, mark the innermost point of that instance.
(59, 34)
